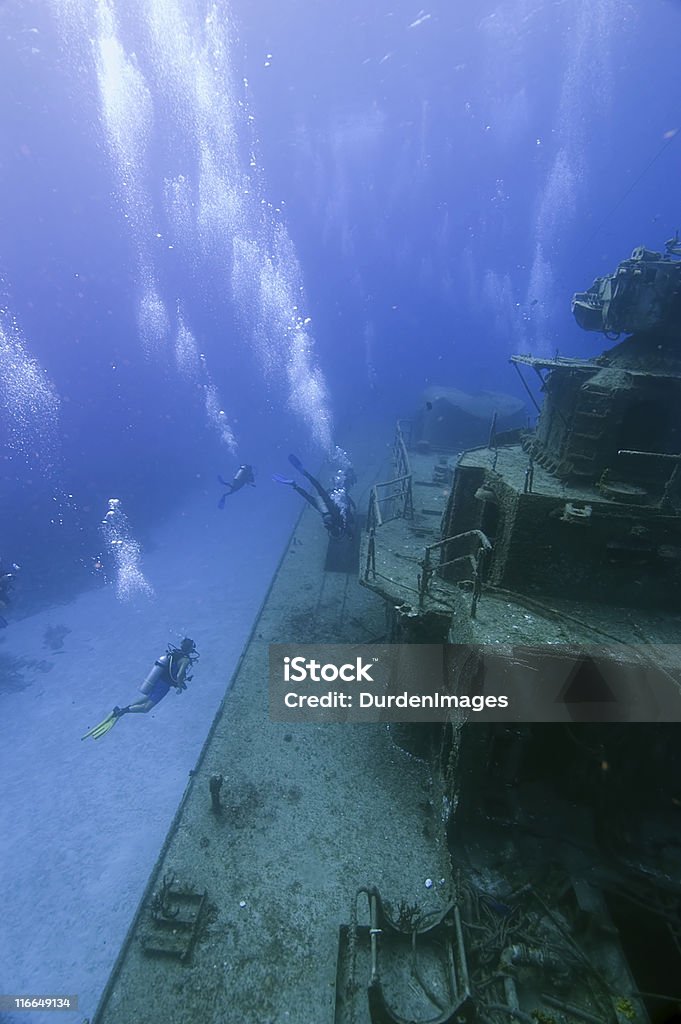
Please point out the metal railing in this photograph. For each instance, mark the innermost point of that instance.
(473, 560)
(390, 500)
(393, 499)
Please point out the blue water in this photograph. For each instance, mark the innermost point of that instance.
(429, 187)
(229, 231)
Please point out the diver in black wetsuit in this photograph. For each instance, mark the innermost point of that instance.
(244, 475)
(336, 508)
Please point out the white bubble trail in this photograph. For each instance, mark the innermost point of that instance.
(126, 553)
(29, 404)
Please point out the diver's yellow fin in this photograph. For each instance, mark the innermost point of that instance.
(103, 727)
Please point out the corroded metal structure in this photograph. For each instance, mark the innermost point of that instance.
(641, 295)
(567, 534)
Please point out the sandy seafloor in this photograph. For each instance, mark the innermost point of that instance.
(82, 822)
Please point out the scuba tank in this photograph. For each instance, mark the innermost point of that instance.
(171, 667)
(157, 672)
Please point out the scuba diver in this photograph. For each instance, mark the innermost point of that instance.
(7, 580)
(244, 475)
(171, 669)
(336, 508)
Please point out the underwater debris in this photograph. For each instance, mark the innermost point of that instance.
(180, 916)
(408, 915)
(215, 785)
(160, 903)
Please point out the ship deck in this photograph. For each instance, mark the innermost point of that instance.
(501, 617)
(310, 814)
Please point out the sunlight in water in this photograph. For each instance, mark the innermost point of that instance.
(585, 99)
(176, 119)
(127, 115)
(178, 96)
